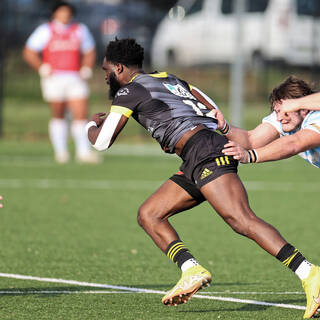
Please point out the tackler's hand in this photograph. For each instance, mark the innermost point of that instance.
(234, 149)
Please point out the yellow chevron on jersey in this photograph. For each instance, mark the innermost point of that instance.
(122, 110)
(159, 75)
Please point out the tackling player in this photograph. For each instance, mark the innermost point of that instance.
(181, 118)
(292, 120)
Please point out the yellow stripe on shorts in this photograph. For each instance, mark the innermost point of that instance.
(122, 110)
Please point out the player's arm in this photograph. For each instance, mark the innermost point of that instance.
(88, 53)
(261, 135)
(208, 102)
(88, 59)
(281, 148)
(223, 126)
(103, 131)
(33, 48)
(32, 58)
(87, 63)
(310, 102)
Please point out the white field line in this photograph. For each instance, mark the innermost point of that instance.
(27, 291)
(143, 150)
(141, 290)
(136, 150)
(255, 292)
(17, 183)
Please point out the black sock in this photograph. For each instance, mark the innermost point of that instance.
(290, 257)
(178, 253)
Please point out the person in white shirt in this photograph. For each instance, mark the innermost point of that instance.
(63, 53)
(298, 128)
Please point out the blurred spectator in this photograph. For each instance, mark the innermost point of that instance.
(1, 205)
(63, 53)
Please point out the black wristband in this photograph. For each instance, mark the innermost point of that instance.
(253, 156)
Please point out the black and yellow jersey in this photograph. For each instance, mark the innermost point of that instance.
(163, 105)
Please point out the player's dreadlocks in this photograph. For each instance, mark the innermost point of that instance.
(125, 51)
(291, 88)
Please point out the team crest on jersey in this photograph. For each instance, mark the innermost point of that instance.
(179, 90)
(122, 92)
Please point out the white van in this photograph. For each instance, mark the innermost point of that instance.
(203, 31)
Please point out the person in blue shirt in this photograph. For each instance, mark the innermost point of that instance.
(298, 128)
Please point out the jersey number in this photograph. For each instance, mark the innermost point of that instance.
(197, 107)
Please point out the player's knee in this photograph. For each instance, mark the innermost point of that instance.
(144, 215)
(150, 214)
(243, 224)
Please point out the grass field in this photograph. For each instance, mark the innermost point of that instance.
(78, 222)
(71, 246)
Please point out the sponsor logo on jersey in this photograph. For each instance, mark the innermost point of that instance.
(179, 90)
(122, 92)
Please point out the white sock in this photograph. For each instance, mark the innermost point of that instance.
(80, 137)
(188, 264)
(303, 270)
(58, 133)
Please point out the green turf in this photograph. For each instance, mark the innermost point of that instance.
(78, 222)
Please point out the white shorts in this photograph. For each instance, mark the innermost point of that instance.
(64, 87)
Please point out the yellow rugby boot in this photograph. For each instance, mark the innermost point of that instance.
(191, 281)
(311, 287)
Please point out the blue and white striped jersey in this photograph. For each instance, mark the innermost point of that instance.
(311, 122)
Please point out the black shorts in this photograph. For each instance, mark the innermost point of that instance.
(180, 179)
(203, 160)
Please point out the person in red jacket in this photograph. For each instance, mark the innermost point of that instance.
(63, 53)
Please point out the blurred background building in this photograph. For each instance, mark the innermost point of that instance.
(105, 18)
